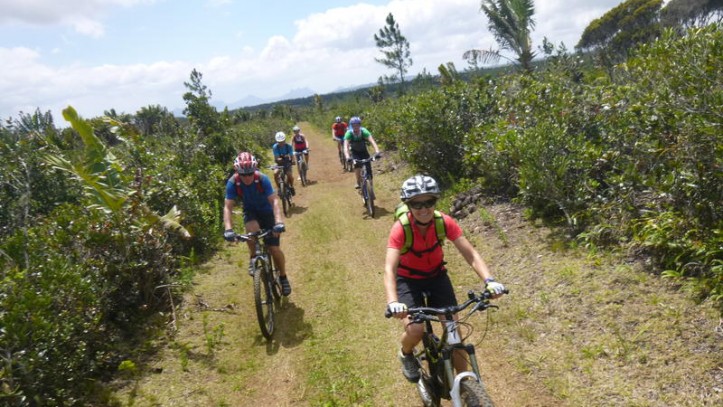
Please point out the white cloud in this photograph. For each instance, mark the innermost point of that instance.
(85, 16)
(326, 51)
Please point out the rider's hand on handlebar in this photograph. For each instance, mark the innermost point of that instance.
(494, 287)
(397, 308)
(279, 228)
(377, 156)
(349, 160)
(229, 235)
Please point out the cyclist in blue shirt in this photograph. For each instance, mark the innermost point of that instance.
(261, 211)
(284, 155)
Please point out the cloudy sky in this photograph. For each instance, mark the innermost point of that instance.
(126, 54)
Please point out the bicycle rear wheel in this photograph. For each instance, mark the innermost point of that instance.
(263, 297)
(473, 394)
(428, 386)
(427, 391)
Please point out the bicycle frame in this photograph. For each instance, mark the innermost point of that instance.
(439, 352)
(301, 164)
(445, 349)
(367, 189)
(259, 245)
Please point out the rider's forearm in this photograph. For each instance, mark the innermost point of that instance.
(390, 274)
(228, 216)
(277, 211)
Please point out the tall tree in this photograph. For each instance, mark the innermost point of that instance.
(395, 48)
(511, 23)
(198, 109)
(683, 13)
(629, 23)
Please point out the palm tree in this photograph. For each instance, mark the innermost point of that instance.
(510, 21)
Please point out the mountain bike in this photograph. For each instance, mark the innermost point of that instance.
(302, 166)
(342, 159)
(284, 191)
(437, 379)
(367, 189)
(267, 287)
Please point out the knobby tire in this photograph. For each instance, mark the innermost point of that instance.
(284, 201)
(369, 198)
(302, 174)
(473, 394)
(263, 297)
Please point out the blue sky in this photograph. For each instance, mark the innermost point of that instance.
(125, 54)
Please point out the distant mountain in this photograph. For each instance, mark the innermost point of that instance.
(253, 100)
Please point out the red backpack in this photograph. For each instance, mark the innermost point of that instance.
(237, 183)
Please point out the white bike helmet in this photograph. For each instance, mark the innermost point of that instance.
(296, 129)
(419, 185)
(280, 136)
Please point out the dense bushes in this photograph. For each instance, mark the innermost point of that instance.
(429, 129)
(87, 262)
(635, 160)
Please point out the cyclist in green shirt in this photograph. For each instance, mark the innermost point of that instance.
(355, 147)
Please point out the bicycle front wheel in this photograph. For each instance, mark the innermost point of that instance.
(302, 174)
(369, 197)
(284, 201)
(263, 297)
(473, 394)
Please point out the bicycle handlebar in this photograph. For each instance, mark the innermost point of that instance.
(421, 313)
(280, 167)
(253, 235)
(367, 160)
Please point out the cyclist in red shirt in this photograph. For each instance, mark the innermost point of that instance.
(338, 130)
(301, 145)
(421, 268)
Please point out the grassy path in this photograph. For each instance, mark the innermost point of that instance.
(578, 329)
(332, 346)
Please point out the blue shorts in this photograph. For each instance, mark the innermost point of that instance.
(266, 221)
(409, 291)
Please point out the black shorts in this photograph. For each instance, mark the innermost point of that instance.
(441, 292)
(266, 221)
(363, 155)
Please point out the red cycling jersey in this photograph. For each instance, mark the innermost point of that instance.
(299, 142)
(339, 129)
(426, 263)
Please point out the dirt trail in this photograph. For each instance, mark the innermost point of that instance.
(333, 347)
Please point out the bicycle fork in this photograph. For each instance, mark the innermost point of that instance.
(454, 381)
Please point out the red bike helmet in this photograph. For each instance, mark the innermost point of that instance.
(245, 163)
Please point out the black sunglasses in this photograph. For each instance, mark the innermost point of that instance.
(422, 204)
(243, 174)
